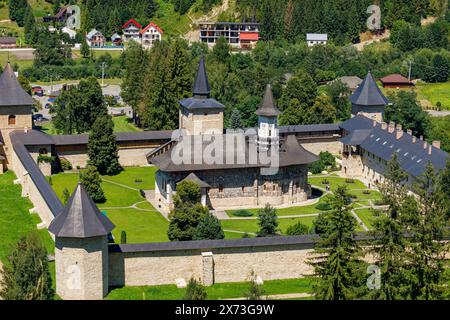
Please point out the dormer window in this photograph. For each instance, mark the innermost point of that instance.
(12, 120)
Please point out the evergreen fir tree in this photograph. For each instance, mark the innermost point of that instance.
(267, 221)
(102, 147)
(338, 262)
(255, 291)
(66, 196)
(235, 120)
(90, 178)
(209, 228)
(85, 50)
(195, 291)
(26, 276)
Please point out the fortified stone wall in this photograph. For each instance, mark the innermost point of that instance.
(334, 146)
(228, 265)
(30, 190)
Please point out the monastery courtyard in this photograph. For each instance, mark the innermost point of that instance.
(142, 222)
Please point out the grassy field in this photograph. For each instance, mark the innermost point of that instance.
(335, 182)
(251, 226)
(215, 292)
(23, 64)
(124, 205)
(367, 216)
(15, 220)
(140, 226)
(124, 124)
(435, 92)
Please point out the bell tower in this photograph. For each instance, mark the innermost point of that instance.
(268, 132)
(201, 114)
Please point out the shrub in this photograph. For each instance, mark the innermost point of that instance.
(323, 206)
(325, 181)
(349, 181)
(316, 167)
(297, 229)
(255, 291)
(123, 237)
(366, 192)
(242, 213)
(65, 164)
(246, 235)
(137, 180)
(195, 291)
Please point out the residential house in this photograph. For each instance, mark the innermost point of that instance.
(352, 82)
(150, 34)
(313, 39)
(396, 81)
(70, 32)
(95, 38)
(116, 39)
(7, 42)
(131, 31)
(242, 35)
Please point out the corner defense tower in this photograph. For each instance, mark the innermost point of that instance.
(368, 100)
(81, 249)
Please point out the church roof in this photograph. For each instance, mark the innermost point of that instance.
(80, 218)
(201, 84)
(231, 151)
(268, 107)
(11, 92)
(369, 94)
(194, 178)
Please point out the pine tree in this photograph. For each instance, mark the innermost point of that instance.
(339, 256)
(267, 221)
(390, 247)
(85, 50)
(26, 276)
(66, 196)
(255, 291)
(428, 250)
(102, 147)
(321, 112)
(235, 120)
(209, 228)
(29, 26)
(288, 21)
(90, 178)
(221, 50)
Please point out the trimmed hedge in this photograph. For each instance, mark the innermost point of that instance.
(242, 213)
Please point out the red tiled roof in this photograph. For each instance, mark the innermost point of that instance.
(133, 22)
(249, 36)
(152, 25)
(395, 78)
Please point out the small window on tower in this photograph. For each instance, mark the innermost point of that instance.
(11, 120)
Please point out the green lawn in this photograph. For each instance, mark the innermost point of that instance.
(291, 211)
(145, 176)
(23, 64)
(124, 124)
(15, 219)
(170, 21)
(367, 216)
(373, 195)
(252, 226)
(215, 292)
(140, 226)
(335, 182)
(435, 92)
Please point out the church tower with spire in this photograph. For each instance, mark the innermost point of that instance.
(201, 114)
(268, 132)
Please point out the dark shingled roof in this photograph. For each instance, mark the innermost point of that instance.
(11, 92)
(268, 107)
(201, 99)
(193, 177)
(50, 198)
(201, 84)
(80, 218)
(413, 157)
(368, 94)
(290, 153)
(309, 128)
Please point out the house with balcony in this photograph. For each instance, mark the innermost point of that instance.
(243, 35)
(150, 34)
(95, 38)
(314, 39)
(131, 31)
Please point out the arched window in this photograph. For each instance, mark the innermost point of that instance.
(11, 120)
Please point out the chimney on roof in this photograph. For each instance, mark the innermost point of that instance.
(399, 132)
(437, 144)
(425, 145)
(384, 125)
(374, 124)
(25, 129)
(391, 128)
(421, 138)
(430, 150)
(409, 131)
(414, 139)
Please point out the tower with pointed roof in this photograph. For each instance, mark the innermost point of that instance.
(368, 100)
(201, 114)
(81, 249)
(15, 111)
(268, 133)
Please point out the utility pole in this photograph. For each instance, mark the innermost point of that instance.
(409, 72)
(103, 73)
